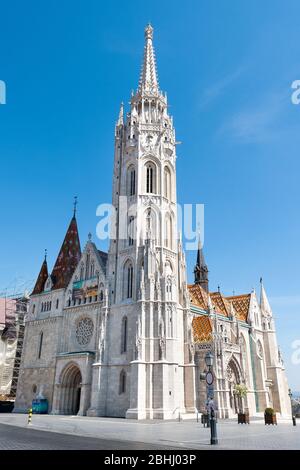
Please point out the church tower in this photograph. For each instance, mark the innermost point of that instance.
(201, 271)
(145, 353)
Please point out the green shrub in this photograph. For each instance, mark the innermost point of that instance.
(269, 411)
(240, 390)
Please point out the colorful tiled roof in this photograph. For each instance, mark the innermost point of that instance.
(202, 329)
(198, 296)
(238, 305)
(68, 257)
(41, 280)
(241, 304)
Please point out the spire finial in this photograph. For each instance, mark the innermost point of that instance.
(149, 31)
(46, 252)
(148, 79)
(89, 236)
(219, 289)
(75, 206)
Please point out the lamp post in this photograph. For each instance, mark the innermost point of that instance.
(293, 417)
(209, 360)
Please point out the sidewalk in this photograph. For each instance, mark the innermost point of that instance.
(183, 434)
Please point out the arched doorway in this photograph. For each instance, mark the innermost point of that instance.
(233, 378)
(70, 390)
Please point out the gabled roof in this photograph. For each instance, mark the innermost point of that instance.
(41, 280)
(202, 329)
(68, 257)
(220, 303)
(237, 305)
(241, 304)
(198, 296)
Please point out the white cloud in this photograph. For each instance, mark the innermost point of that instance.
(214, 91)
(260, 122)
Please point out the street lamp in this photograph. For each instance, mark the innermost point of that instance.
(209, 360)
(293, 417)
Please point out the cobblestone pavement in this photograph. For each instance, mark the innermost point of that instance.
(158, 434)
(16, 438)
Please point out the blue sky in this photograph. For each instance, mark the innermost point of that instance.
(227, 67)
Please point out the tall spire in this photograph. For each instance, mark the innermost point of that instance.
(264, 302)
(121, 115)
(148, 79)
(42, 277)
(68, 257)
(201, 271)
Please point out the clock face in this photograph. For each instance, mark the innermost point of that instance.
(209, 378)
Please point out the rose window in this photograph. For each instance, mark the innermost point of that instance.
(84, 331)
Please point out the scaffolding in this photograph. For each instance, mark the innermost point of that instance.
(15, 306)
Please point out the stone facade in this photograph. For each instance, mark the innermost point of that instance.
(120, 333)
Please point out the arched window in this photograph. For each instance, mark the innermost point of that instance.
(40, 344)
(131, 181)
(122, 387)
(124, 335)
(168, 232)
(167, 183)
(131, 230)
(101, 296)
(33, 308)
(151, 224)
(87, 266)
(150, 178)
(92, 269)
(81, 271)
(128, 280)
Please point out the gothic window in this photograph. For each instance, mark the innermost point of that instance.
(84, 331)
(122, 387)
(131, 181)
(168, 231)
(87, 266)
(101, 296)
(92, 269)
(131, 230)
(169, 288)
(170, 322)
(124, 335)
(57, 303)
(81, 271)
(40, 344)
(128, 280)
(150, 178)
(167, 183)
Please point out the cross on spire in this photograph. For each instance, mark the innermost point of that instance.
(75, 206)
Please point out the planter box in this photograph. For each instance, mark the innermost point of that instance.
(270, 419)
(243, 418)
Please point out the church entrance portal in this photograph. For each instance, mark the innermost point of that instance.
(70, 390)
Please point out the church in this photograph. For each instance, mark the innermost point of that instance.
(122, 334)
